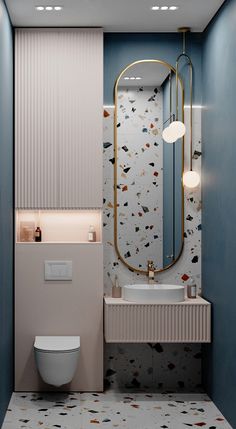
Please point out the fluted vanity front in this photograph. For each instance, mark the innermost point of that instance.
(177, 322)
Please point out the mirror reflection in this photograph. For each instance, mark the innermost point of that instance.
(148, 171)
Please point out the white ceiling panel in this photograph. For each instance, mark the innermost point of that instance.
(115, 15)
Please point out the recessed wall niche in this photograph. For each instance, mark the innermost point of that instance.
(65, 226)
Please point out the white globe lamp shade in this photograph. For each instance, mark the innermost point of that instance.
(168, 135)
(191, 179)
(178, 129)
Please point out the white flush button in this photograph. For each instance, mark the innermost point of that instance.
(58, 270)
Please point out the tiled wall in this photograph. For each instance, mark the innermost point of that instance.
(165, 366)
(153, 366)
(140, 175)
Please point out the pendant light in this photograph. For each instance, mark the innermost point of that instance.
(191, 178)
(177, 128)
(167, 134)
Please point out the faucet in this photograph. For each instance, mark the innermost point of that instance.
(151, 272)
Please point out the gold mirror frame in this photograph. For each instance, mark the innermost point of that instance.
(120, 257)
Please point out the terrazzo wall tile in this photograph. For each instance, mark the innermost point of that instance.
(140, 175)
(177, 367)
(154, 367)
(186, 359)
(128, 366)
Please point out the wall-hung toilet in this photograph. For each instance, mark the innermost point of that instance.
(57, 358)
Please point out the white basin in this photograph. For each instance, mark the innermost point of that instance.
(147, 293)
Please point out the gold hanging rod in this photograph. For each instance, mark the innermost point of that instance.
(185, 30)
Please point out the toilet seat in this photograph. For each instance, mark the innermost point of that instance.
(57, 344)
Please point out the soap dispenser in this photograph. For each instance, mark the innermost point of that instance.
(116, 289)
(191, 289)
(91, 234)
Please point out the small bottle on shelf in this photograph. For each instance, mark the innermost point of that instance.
(38, 234)
(91, 234)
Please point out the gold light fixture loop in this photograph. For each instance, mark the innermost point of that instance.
(184, 30)
(167, 134)
(177, 129)
(191, 178)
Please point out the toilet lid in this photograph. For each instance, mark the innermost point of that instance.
(57, 344)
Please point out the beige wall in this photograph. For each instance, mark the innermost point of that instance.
(59, 308)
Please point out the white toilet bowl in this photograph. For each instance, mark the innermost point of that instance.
(57, 358)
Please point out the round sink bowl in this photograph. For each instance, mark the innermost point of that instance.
(148, 293)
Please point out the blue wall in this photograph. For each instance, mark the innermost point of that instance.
(6, 210)
(219, 206)
(121, 49)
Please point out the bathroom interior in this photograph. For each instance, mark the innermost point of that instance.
(117, 231)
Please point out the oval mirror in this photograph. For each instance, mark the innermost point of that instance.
(148, 190)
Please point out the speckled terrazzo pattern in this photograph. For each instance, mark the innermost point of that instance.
(112, 410)
(190, 261)
(140, 175)
(177, 366)
(157, 367)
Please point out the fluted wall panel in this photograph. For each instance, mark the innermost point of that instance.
(58, 118)
(167, 323)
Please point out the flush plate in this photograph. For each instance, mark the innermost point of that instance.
(58, 270)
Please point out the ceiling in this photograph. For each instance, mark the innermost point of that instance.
(115, 15)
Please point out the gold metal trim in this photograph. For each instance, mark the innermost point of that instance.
(185, 30)
(120, 257)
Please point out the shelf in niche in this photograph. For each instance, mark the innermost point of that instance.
(59, 226)
(57, 242)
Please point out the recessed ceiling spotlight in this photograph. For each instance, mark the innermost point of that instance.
(164, 7)
(49, 8)
(40, 8)
(132, 78)
(57, 7)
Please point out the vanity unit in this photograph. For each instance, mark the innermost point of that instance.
(178, 322)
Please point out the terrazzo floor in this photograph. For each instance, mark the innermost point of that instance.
(112, 410)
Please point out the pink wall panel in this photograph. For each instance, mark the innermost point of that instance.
(59, 308)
